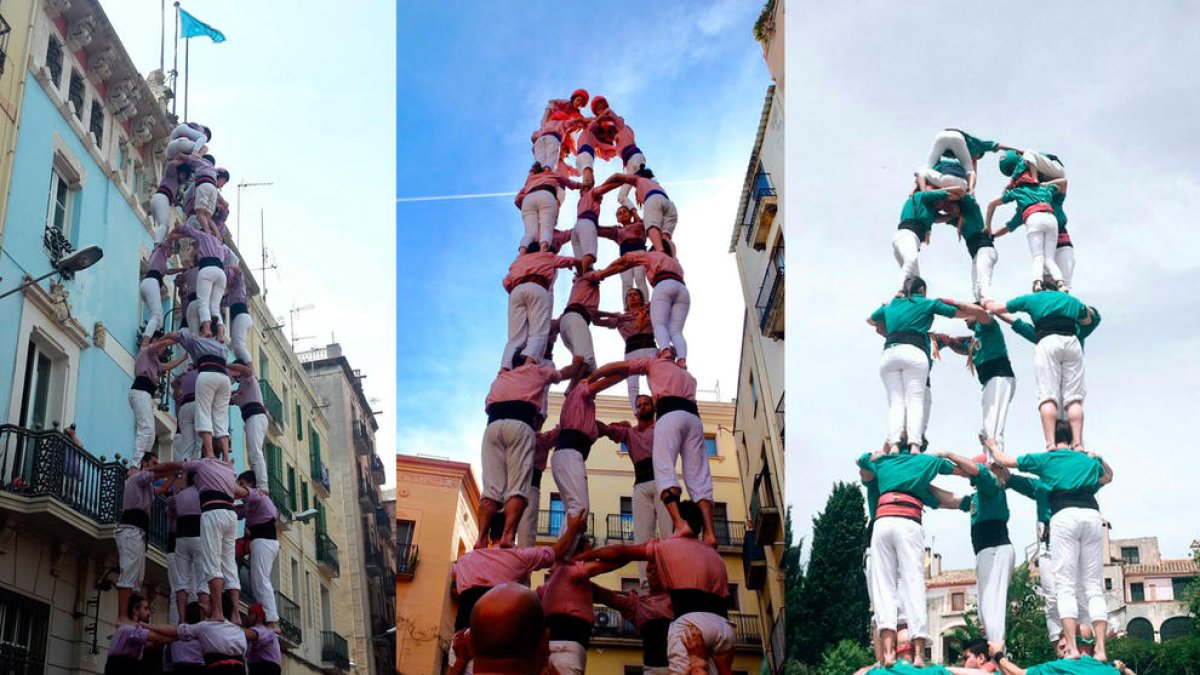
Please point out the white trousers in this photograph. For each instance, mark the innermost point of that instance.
(649, 514)
(539, 211)
(256, 433)
(1041, 229)
(527, 528)
(1050, 168)
(206, 198)
(131, 555)
(584, 241)
(668, 312)
(633, 381)
(189, 443)
(659, 212)
(210, 288)
(507, 459)
(680, 433)
(546, 150)
(904, 370)
(570, 475)
(189, 560)
(716, 630)
(898, 575)
(567, 657)
(1049, 593)
(172, 579)
(577, 336)
(1058, 370)
(192, 313)
(956, 144)
(1064, 257)
(584, 160)
(143, 419)
(634, 276)
(262, 559)
(160, 213)
(212, 404)
(997, 396)
(239, 331)
(993, 570)
(981, 272)
(218, 532)
(1077, 546)
(178, 146)
(528, 322)
(905, 248)
(152, 297)
(941, 180)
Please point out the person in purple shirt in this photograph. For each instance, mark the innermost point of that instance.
(130, 536)
(146, 369)
(151, 290)
(187, 655)
(263, 656)
(210, 275)
(185, 414)
(187, 584)
(223, 643)
(240, 321)
(260, 514)
(131, 637)
(248, 398)
(163, 198)
(205, 190)
(213, 390)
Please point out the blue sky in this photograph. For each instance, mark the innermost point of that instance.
(688, 77)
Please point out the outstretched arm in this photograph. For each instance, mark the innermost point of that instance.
(1060, 183)
(946, 499)
(1107, 476)
(962, 465)
(610, 369)
(616, 553)
(575, 525)
(604, 383)
(991, 210)
(999, 456)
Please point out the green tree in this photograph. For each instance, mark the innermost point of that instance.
(833, 603)
(961, 635)
(845, 658)
(793, 578)
(1191, 594)
(1025, 634)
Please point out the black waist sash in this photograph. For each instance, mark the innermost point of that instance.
(122, 665)
(687, 600)
(663, 276)
(466, 603)
(571, 628)
(187, 526)
(261, 530)
(536, 481)
(156, 275)
(630, 245)
(574, 439)
(522, 411)
(251, 409)
(222, 500)
(654, 642)
(210, 262)
(544, 187)
(989, 533)
(643, 471)
(908, 337)
(1066, 499)
(666, 404)
(640, 341)
(211, 364)
(580, 310)
(914, 227)
(136, 517)
(977, 241)
(997, 367)
(1054, 325)
(238, 308)
(143, 383)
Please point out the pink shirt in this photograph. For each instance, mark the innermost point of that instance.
(542, 447)
(146, 364)
(489, 567)
(623, 233)
(551, 126)
(579, 411)
(568, 590)
(585, 290)
(639, 609)
(542, 264)
(526, 383)
(665, 376)
(644, 187)
(687, 563)
(656, 263)
(158, 258)
(628, 324)
(639, 441)
(589, 204)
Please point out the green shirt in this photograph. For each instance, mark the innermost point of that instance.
(1084, 665)
(988, 502)
(914, 313)
(1025, 196)
(911, 474)
(1063, 469)
(921, 208)
(1048, 303)
(976, 146)
(971, 215)
(904, 667)
(1061, 215)
(1035, 490)
(864, 462)
(989, 343)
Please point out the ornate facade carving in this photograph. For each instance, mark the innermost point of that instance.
(80, 32)
(101, 63)
(58, 6)
(99, 334)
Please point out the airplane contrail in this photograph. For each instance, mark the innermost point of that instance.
(486, 195)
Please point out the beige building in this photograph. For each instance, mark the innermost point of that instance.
(758, 245)
(16, 18)
(368, 598)
(1145, 591)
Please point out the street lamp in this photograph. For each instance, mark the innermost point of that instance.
(67, 267)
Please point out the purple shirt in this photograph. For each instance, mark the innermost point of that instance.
(247, 392)
(158, 258)
(212, 474)
(146, 364)
(197, 346)
(138, 492)
(187, 282)
(187, 502)
(170, 178)
(202, 168)
(186, 652)
(265, 647)
(128, 640)
(207, 246)
(187, 382)
(235, 287)
(216, 637)
(258, 508)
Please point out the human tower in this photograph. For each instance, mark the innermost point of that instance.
(685, 587)
(1062, 479)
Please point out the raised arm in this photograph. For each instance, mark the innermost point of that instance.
(1107, 476)
(1060, 183)
(604, 383)
(999, 456)
(962, 465)
(615, 368)
(991, 210)
(946, 499)
(616, 553)
(566, 540)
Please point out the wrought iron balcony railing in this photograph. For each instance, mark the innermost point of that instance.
(317, 470)
(362, 439)
(280, 495)
(770, 303)
(551, 523)
(289, 619)
(327, 554)
(46, 463)
(377, 470)
(619, 528)
(335, 650)
(610, 624)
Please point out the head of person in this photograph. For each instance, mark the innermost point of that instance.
(193, 612)
(693, 516)
(623, 215)
(599, 105)
(951, 209)
(247, 480)
(222, 177)
(533, 247)
(579, 98)
(190, 477)
(256, 614)
(634, 298)
(645, 408)
(1062, 433)
(975, 653)
(137, 608)
(538, 168)
(1060, 647)
(1087, 645)
(210, 159)
(644, 172)
(668, 248)
(1008, 162)
(518, 360)
(917, 287)
(149, 461)
(667, 353)
(508, 631)
(207, 132)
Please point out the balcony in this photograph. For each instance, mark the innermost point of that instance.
(156, 536)
(729, 534)
(335, 650)
(368, 495)
(770, 304)
(406, 561)
(383, 521)
(327, 555)
(764, 512)
(754, 564)
(611, 628)
(280, 496)
(57, 244)
(761, 209)
(5, 29)
(318, 471)
(619, 530)
(289, 620)
(746, 632)
(373, 558)
(550, 524)
(46, 464)
(273, 405)
(377, 471)
(363, 442)
(780, 418)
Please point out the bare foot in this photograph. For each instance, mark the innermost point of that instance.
(507, 542)
(918, 661)
(1099, 655)
(682, 530)
(274, 627)
(1071, 653)
(709, 539)
(889, 660)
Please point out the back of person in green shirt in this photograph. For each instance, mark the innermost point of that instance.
(1083, 665)
(921, 210)
(1035, 210)
(950, 145)
(987, 356)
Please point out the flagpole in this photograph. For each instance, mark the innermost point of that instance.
(175, 66)
(187, 78)
(162, 34)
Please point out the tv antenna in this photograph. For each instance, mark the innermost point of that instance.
(292, 323)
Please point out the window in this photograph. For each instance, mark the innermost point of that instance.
(630, 584)
(308, 597)
(299, 426)
(264, 365)
(626, 516)
(624, 447)
(1137, 592)
(1179, 586)
(35, 390)
(322, 525)
(754, 394)
(295, 579)
(291, 474)
(1129, 554)
(58, 215)
(75, 93)
(96, 126)
(304, 496)
(54, 59)
(735, 602)
(24, 624)
(404, 535)
(558, 514)
(710, 446)
(957, 602)
(1107, 584)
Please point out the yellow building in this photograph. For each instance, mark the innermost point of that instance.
(435, 509)
(16, 19)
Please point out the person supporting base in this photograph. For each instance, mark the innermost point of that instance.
(130, 638)
(570, 613)
(260, 514)
(650, 613)
(130, 536)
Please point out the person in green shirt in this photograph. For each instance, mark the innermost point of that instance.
(921, 210)
(1076, 530)
(904, 366)
(1058, 319)
(987, 357)
(966, 217)
(1081, 665)
(1035, 209)
(950, 145)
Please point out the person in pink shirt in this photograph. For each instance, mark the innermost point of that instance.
(574, 324)
(240, 321)
(529, 280)
(567, 600)
(566, 108)
(694, 575)
(657, 209)
(538, 201)
(671, 301)
(210, 276)
(512, 405)
(678, 432)
(650, 613)
(551, 137)
(151, 290)
(584, 241)
(630, 235)
(507, 635)
(542, 445)
(147, 367)
(577, 431)
(636, 329)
